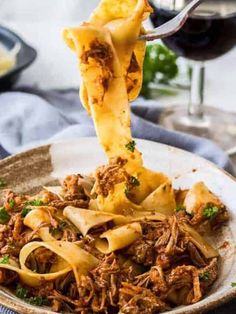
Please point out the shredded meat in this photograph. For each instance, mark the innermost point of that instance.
(186, 277)
(100, 51)
(161, 269)
(154, 280)
(41, 260)
(137, 300)
(108, 176)
(72, 188)
(75, 203)
(211, 274)
(160, 242)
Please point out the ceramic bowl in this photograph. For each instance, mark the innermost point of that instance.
(29, 170)
(25, 55)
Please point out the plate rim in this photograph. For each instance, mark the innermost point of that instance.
(18, 305)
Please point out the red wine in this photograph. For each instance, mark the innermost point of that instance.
(207, 34)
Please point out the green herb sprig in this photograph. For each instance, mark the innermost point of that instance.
(210, 212)
(133, 181)
(179, 208)
(25, 211)
(59, 229)
(38, 301)
(4, 216)
(131, 146)
(35, 202)
(12, 203)
(5, 259)
(23, 293)
(204, 276)
(3, 183)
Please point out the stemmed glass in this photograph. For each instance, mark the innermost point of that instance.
(209, 33)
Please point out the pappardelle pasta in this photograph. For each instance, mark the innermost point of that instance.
(121, 240)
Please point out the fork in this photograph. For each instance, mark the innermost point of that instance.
(172, 26)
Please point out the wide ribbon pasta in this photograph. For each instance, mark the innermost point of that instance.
(110, 57)
(85, 219)
(118, 238)
(74, 257)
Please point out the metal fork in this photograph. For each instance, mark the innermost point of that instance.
(173, 25)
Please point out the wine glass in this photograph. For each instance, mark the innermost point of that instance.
(209, 33)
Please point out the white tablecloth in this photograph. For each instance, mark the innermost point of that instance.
(40, 24)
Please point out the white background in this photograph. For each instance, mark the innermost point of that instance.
(40, 23)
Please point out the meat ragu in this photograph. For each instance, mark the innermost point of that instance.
(163, 268)
(121, 240)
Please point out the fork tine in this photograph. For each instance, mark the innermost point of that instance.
(172, 26)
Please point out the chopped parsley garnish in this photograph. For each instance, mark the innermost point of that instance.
(127, 191)
(210, 212)
(12, 203)
(233, 284)
(36, 202)
(25, 211)
(179, 208)
(134, 181)
(23, 293)
(5, 259)
(56, 231)
(4, 216)
(38, 301)
(131, 146)
(204, 276)
(3, 183)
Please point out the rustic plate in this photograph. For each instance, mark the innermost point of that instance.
(44, 165)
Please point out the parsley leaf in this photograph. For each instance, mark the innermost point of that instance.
(38, 301)
(36, 202)
(21, 292)
(25, 211)
(5, 259)
(210, 212)
(204, 276)
(59, 229)
(131, 146)
(179, 208)
(4, 216)
(134, 181)
(12, 203)
(127, 192)
(3, 183)
(233, 284)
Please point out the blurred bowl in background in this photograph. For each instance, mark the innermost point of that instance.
(17, 56)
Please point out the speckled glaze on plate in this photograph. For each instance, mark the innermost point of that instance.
(27, 171)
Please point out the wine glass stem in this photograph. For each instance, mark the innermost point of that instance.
(195, 107)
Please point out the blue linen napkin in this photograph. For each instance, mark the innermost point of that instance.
(31, 117)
